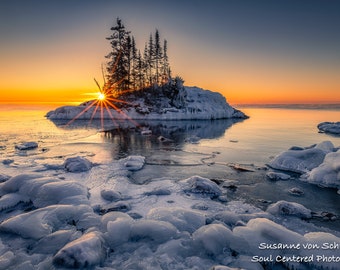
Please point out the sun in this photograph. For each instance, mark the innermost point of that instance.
(101, 96)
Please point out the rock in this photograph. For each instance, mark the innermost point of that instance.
(77, 164)
(198, 184)
(27, 146)
(290, 209)
(329, 127)
(277, 176)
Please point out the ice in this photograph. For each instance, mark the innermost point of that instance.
(12, 199)
(328, 173)
(330, 127)
(277, 176)
(51, 243)
(56, 192)
(154, 230)
(198, 184)
(42, 191)
(27, 146)
(84, 252)
(77, 164)
(215, 239)
(111, 195)
(183, 219)
(302, 161)
(289, 209)
(43, 221)
(133, 163)
(118, 231)
(262, 230)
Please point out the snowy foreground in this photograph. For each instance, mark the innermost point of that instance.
(77, 214)
(198, 104)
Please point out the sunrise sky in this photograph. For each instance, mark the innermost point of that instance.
(251, 51)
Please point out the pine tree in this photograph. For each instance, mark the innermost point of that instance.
(118, 65)
(157, 57)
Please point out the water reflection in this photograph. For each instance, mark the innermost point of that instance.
(147, 137)
(153, 136)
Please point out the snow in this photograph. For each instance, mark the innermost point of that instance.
(84, 252)
(101, 217)
(199, 104)
(77, 164)
(214, 239)
(289, 209)
(183, 219)
(326, 174)
(302, 160)
(330, 127)
(201, 185)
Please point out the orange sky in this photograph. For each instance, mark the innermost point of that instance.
(250, 55)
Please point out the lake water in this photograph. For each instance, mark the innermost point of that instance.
(180, 149)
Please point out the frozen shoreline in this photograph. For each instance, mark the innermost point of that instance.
(97, 212)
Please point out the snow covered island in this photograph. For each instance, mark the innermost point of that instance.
(179, 103)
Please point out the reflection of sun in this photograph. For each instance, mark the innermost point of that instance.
(101, 96)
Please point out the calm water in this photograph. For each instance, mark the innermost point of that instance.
(206, 148)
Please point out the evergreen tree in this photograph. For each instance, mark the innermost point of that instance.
(157, 57)
(118, 65)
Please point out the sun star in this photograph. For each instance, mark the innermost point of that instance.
(101, 96)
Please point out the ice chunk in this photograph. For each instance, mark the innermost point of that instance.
(154, 230)
(299, 161)
(198, 184)
(13, 184)
(328, 173)
(41, 222)
(77, 164)
(11, 200)
(262, 230)
(54, 192)
(227, 217)
(112, 216)
(183, 219)
(55, 241)
(26, 146)
(290, 209)
(110, 195)
(133, 163)
(83, 252)
(330, 127)
(213, 238)
(277, 176)
(118, 231)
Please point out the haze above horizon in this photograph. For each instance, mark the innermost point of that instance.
(252, 52)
